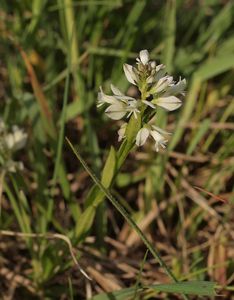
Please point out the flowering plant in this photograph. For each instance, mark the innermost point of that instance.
(156, 87)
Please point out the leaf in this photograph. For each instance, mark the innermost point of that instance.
(215, 66)
(201, 288)
(109, 168)
(85, 222)
(46, 113)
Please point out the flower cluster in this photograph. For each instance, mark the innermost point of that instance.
(157, 88)
(10, 142)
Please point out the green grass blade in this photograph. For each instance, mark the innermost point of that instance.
(199, 288)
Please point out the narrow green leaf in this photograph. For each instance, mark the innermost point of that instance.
(215, 66)
(201, 288)
(109, 168)
(85, 222)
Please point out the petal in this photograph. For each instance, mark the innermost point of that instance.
(169, 103)
(153, 65)
(9, 140)
(125, 98)
(116, 91)
(142, 136)
(103, 98)
(160, 130)
(156, 147)
(116, 111)
(144, 56)
(160, 67)
(160, 72)
(158, 137)
(177, 88)
(149, 103)
(162, 144)
(150, 79)
(20, 140)
(130, 74)
(161, 85)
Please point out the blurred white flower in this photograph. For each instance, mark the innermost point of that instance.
(10, 142)
(12, 166)
(120, 104)
(155, 132)
(15, 140)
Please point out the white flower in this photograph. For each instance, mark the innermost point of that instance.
(155, 132)
(11, 141)
(16, 139)
(120, 104)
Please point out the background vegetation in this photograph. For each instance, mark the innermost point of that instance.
(54, 56)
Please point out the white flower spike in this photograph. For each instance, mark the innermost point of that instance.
(157, 88)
